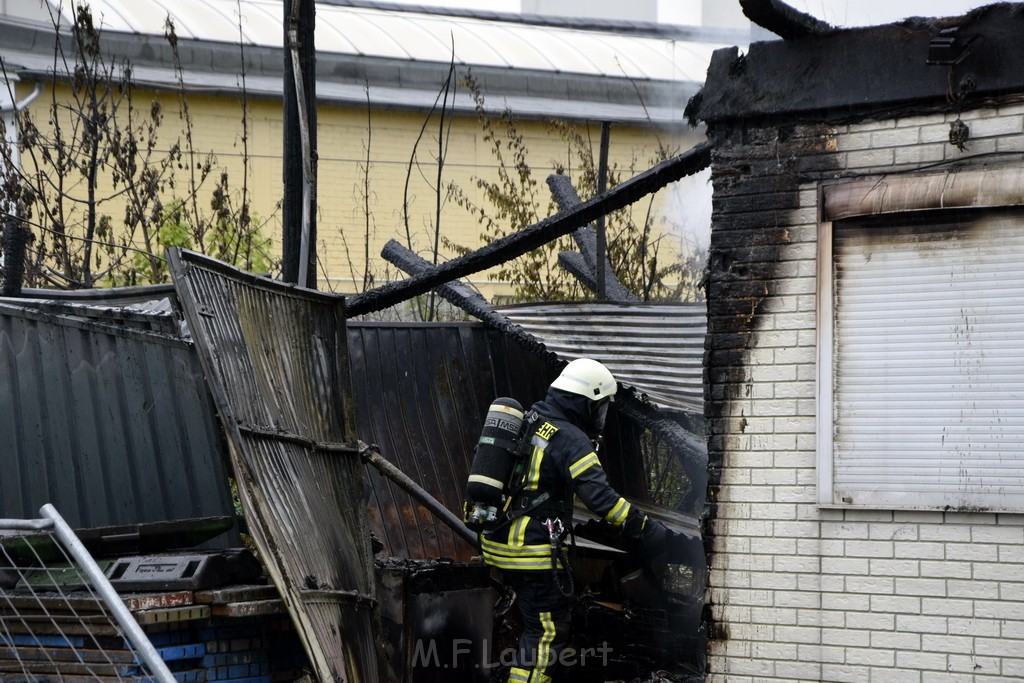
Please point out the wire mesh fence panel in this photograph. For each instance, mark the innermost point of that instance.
(60, 619)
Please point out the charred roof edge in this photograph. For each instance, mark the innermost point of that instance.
(858, 72)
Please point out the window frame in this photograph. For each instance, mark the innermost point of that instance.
(993, 186)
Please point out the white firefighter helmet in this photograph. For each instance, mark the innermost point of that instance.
(586, 377)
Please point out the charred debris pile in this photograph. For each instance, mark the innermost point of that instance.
(295, 386)
(368, 569)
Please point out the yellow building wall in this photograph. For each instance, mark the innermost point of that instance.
(345, 134)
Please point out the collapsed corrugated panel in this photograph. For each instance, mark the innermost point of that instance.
(107, 419)
(421, 394)
(275, 360)
(654, 347)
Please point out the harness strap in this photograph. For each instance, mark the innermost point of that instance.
(516, 514)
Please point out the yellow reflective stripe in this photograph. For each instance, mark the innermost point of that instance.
(534, 550)
(533, 479)
(537, 564)
(517, 532)
(513, 556)
(544, 649)
(536, 556)
(583, 464)
(517, 675)
(617, 515)
(520, 538)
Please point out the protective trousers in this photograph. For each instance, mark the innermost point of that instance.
(546, 614)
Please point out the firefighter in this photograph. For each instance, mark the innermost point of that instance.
(530, 549)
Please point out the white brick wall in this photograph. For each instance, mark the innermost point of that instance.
(810, 594)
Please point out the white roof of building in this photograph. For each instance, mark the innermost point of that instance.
(417, 36)
(398, 56)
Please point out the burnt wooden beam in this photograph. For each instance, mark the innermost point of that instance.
(465, 297)
(566, 197)
(576, 264)
(563, 191)
(517, 244)
(783, 20)
(689, 448)
(371, 456)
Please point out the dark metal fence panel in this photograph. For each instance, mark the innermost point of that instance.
(275, 359)
(109, 421)
(421, 392)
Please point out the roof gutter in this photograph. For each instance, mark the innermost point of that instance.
(15, 105)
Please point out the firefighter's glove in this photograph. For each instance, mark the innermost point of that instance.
(655, 539)
(633, 527)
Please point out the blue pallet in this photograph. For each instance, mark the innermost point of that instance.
(179, 652)
(45, 641)
(191, 676)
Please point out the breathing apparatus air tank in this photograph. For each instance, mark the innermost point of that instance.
(492, 464)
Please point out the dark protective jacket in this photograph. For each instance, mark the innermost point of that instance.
(562, 463)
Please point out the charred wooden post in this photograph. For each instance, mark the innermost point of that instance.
(602, 267)
(15, 241)
(510, 246)
(565, 195)
(783, 20)
(299, 150)
(461, 295)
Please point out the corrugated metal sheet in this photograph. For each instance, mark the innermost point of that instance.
(656, 348)
(421, 392)
(275, 359)
(106, 419)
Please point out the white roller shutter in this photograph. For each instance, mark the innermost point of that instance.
(928, 363)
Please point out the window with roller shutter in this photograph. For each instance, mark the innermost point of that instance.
(921, 344)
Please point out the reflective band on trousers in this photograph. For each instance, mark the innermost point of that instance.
(544, 654)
